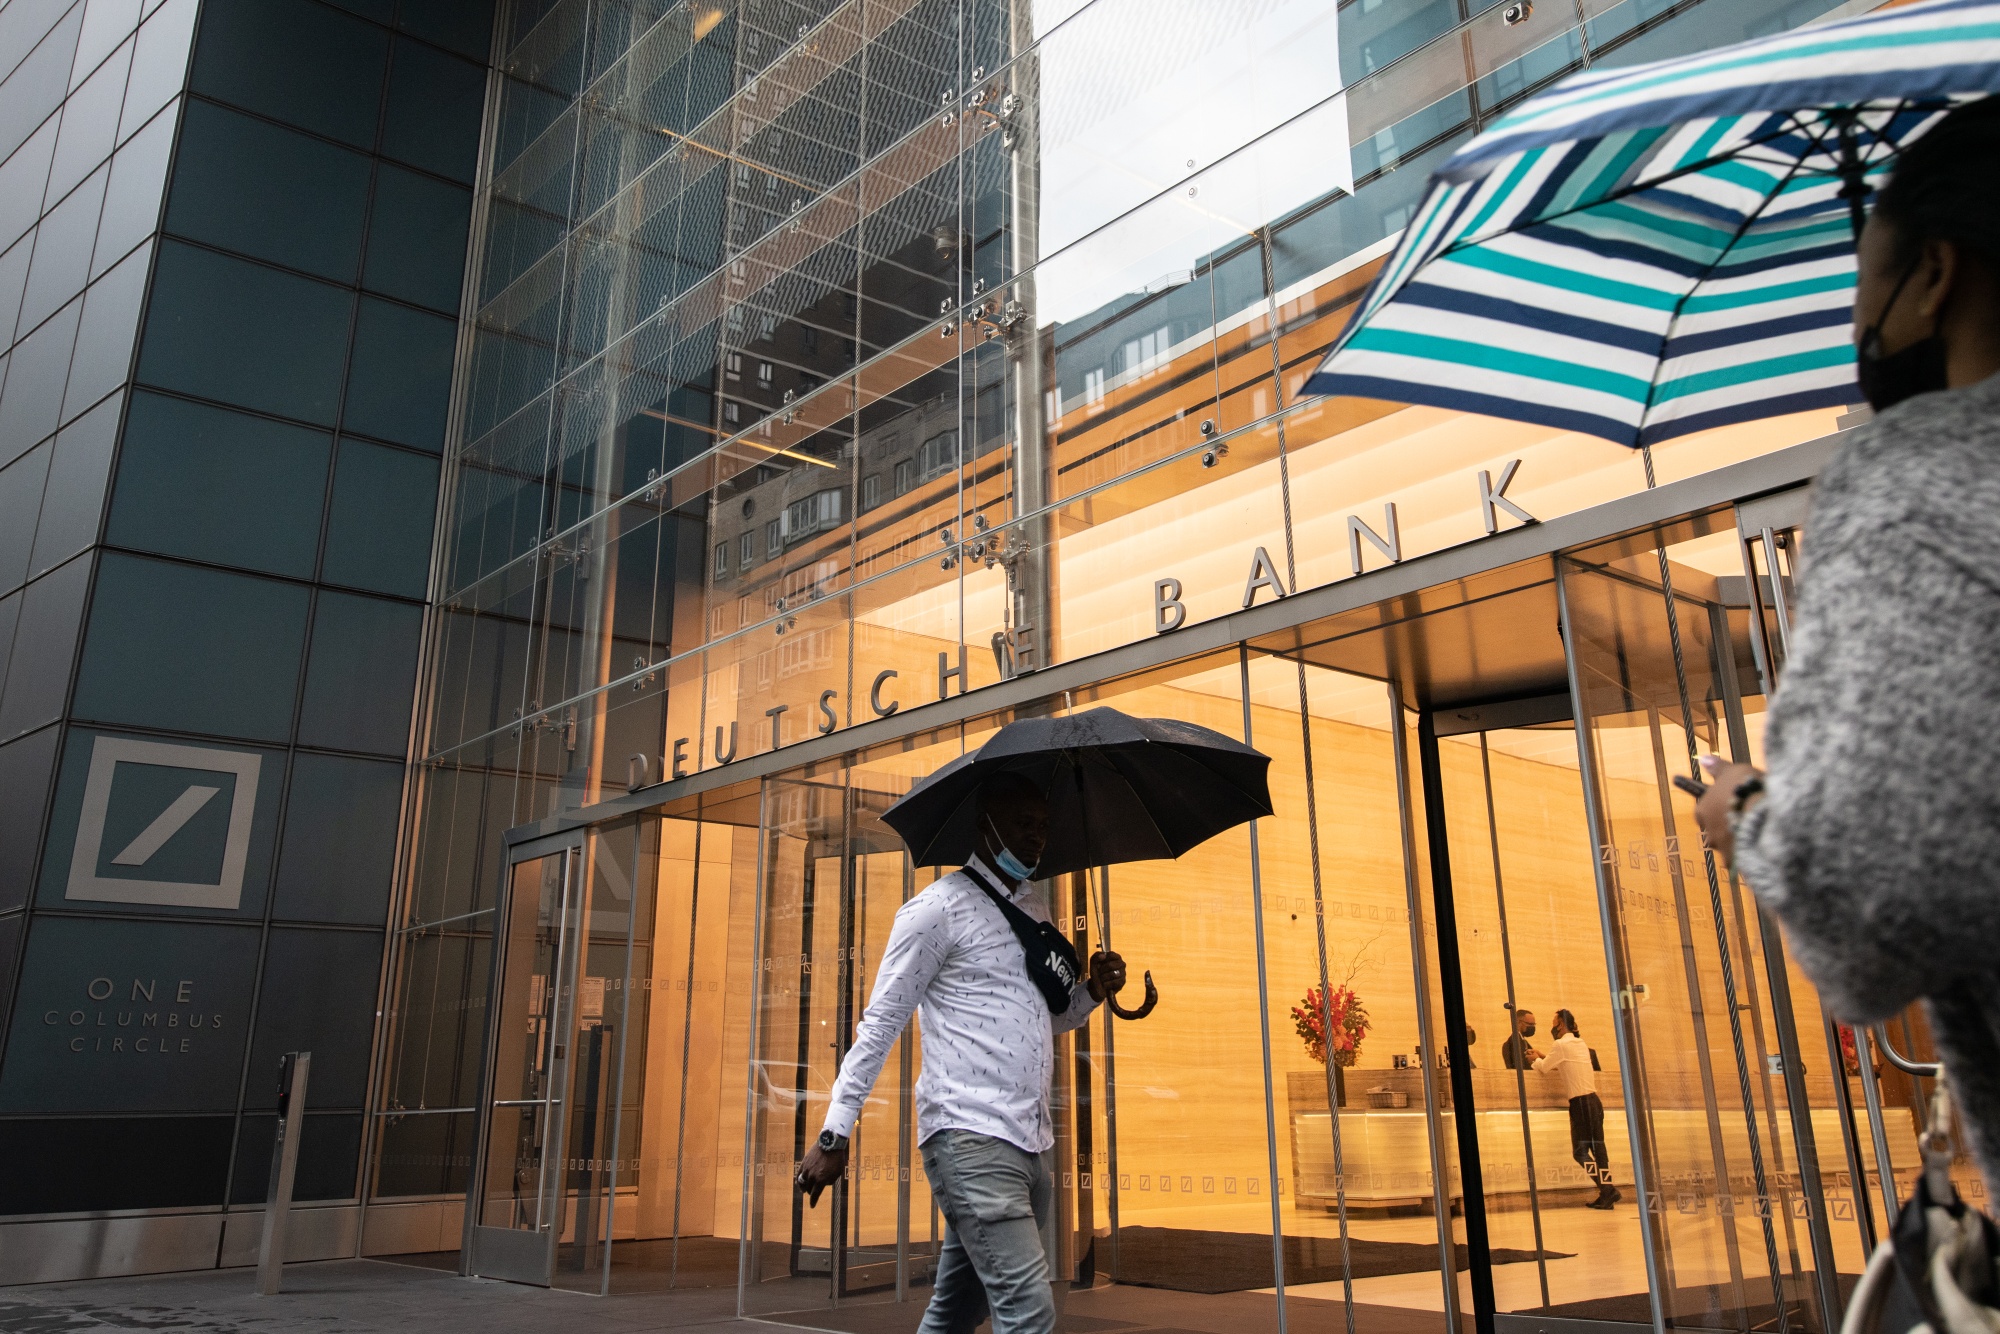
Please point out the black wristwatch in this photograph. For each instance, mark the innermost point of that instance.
(830, 1142)
(1752, 786)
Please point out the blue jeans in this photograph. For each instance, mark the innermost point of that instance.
(995, 1198)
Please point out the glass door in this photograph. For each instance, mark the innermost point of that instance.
(831, 880)
(519, 1189)
(1733, 1225)
(1560, 1210)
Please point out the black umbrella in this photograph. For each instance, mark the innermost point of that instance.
(1120, 789)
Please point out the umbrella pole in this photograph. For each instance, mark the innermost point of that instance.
(1853, 174)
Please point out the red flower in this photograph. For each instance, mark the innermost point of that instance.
(1350, 1024)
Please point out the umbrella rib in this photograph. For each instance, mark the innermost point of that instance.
(1680, 302)
(1694, 168)
(1164, 840)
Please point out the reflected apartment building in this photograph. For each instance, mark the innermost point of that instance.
(832, 382)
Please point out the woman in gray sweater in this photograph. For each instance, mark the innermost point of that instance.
(1875, 836)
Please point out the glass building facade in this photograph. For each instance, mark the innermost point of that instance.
(235, 237)
(830, 384)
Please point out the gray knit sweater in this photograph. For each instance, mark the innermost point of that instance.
(1878, 841)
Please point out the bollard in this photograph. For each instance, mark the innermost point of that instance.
(293, 1069)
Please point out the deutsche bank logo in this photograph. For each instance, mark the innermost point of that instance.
(166, 825)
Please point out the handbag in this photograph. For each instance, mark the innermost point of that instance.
(1052, 961)
(1936, 1272)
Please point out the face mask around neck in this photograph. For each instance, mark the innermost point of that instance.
(1887, 379)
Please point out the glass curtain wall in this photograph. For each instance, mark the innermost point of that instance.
(1187, 1161)
(1334, 1109)
(823, 359)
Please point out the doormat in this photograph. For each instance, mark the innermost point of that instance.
(1188, 1260)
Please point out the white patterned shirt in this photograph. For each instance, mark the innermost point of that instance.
(988, 1036)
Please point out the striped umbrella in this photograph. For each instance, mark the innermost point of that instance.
(1641, 253)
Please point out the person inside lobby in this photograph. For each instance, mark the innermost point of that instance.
(1571, 1061)
(1516, 1052)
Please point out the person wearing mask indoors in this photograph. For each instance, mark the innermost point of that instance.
(1570, 1062)
(1875, 836)
(1516, 1052)
(988, 1010)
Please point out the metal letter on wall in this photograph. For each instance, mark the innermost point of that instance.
(1263, 574)
(180, 812)
(1169, 612)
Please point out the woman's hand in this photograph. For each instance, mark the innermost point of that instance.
(1713, 810)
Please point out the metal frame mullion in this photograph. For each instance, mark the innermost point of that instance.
(1614, 967)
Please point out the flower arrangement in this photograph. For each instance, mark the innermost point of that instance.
(1350, 1024)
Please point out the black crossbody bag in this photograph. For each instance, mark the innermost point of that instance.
(1052, 961)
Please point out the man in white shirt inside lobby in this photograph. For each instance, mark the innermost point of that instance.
(1571, 1061)
(982, 1099)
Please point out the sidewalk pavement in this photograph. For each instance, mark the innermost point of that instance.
(355, 1297)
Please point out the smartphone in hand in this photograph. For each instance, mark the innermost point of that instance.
(1694, 787)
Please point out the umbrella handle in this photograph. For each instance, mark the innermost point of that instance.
(1145, 1007)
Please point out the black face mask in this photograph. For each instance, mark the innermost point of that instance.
(1527, 1030)
(1888, 379)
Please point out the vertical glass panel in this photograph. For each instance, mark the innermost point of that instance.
(241, 333)
(338, 855)
(219, 486)
(416, 238)
(13, 282)
(379, 528)
(1659, 665)
(45, 638)
(105, 24)
(22, 483)
(1208, 523)
(1359, 1202)
(1831, 1108)
(159, 63)
(434, 104)
(36, 86)
(399, 385)
(304, 64)
(364, 664)
(192, 649)
(23, 177)
(1169, 1147)
(37, 373)
(801, 1009)
(105, 335)
(677, 1216)
(530, 1059)
(132, 199)
(1530, 947)
(318, 995)
(62, 251)
(265, 191)
(79, 472)
(89, 123)
(597, 1035)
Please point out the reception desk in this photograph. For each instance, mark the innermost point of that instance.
(1386, 1156)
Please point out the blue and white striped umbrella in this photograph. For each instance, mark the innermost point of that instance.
(1641, 253)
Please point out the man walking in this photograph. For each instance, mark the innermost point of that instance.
(1570, 1059)
(988, 1009)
